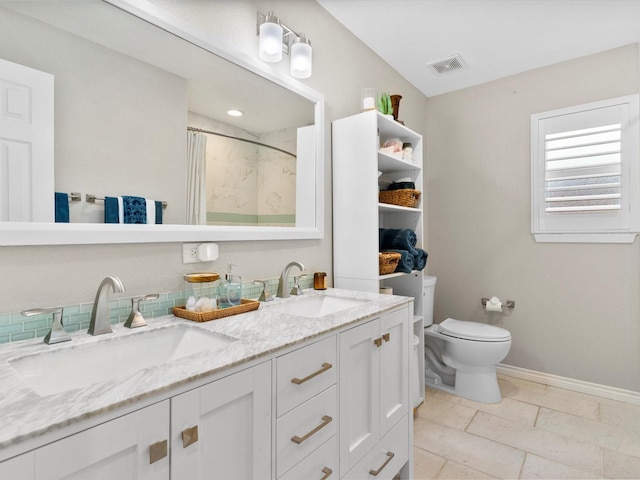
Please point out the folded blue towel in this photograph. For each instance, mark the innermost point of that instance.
(61, 207)
(405, 265)
(135, 209)
(158, 212)
(111, 210)
(420, 259)
(400, 239)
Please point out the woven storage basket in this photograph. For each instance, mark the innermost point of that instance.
(405, 197)
(245, 306)
(388, 261)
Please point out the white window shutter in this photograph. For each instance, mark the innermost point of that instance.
(585, 175)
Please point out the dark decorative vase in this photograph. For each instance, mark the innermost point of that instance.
(395, 103)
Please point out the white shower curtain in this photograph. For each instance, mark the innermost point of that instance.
(196, 176)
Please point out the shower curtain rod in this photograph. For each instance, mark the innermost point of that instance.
(200, 130)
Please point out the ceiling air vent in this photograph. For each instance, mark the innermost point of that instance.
(450, 64)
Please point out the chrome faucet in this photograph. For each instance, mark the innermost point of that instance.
(100, 315)
(283, 283)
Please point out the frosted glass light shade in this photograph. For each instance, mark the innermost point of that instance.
(301, 58)
(271, 41)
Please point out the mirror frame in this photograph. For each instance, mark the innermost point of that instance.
(25, 233)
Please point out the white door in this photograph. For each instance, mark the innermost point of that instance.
(26, 144)
(132, 447)
(222, 430)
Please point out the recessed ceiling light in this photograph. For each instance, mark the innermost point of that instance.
(234, 113)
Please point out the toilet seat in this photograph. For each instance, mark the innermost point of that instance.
(479, 332)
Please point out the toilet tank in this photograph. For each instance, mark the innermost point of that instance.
(428, 286)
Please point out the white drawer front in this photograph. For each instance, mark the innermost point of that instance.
(321, 464)
(386, 458)
(305, 373)
(311, 424)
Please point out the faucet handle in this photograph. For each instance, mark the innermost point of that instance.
(297, 289)
(265, 296)
(135, 317)
(57, 334)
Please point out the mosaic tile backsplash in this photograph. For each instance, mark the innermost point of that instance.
(15, 327)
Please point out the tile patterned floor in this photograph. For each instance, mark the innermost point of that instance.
(535, 432)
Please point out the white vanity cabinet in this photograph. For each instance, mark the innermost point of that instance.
(130, 447)
(374, 411)
(307, 409)
(223, 429)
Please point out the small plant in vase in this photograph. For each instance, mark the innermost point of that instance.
(384, 104)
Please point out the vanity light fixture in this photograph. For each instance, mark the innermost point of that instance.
(276, 37)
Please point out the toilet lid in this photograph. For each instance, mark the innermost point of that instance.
(474, 331)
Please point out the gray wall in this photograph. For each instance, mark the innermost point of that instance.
(577, 305)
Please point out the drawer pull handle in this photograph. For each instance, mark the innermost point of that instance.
(157, 451)
(327, 473)
(375, 473)
(386, 337)
(300, 381)
(189, 436)
(326, 420)
(378, 342)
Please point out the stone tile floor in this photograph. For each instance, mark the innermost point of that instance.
(535, 432)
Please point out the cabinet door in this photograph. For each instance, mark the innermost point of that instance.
(359, 397)
(18, 468)
(223, 429)
(394, 368)
(118, 449)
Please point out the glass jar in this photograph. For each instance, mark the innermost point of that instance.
(201, 291)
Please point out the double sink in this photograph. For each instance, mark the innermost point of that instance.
(70, 367)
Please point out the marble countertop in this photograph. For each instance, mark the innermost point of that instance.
(25, 415)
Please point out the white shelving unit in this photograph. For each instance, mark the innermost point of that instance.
(357, 213)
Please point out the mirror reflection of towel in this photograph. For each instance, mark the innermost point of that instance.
(61, 207)
(130, 209)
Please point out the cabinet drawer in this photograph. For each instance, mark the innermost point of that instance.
(304, 373)
(311, 424)
(321, 464)
(395, 442)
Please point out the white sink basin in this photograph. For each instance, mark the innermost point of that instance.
(69, 367)
(317, 306)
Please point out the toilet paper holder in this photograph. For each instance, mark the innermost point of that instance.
(507, 304)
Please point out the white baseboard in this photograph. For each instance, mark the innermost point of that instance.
(598, 390)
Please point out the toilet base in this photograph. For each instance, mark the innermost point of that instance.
(479, 385)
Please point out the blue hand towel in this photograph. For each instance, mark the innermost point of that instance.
(135, 209)
(158, 212)
(400, 239)
(405, 265)
(420, 259)
(111, 210)
(61, 207)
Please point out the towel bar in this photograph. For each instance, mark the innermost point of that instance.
(75, 196)
(91, 198)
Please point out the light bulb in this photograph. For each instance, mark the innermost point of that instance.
(271, 39)
(301, 57)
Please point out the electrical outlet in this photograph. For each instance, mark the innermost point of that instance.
(190, 253)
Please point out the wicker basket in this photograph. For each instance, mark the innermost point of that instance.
(388, 261)
(245, 306)
(405, 197)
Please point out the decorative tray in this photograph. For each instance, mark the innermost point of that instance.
(245, 306)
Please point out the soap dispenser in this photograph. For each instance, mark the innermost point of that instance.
(230, 290)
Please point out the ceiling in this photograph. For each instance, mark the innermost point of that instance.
(495, 38)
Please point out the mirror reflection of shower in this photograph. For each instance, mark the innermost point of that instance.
(250, 179)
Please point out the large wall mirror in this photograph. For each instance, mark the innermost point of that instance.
(140, 102)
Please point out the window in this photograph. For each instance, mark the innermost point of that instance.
(585, 173)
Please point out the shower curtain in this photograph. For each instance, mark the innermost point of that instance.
(196, 193)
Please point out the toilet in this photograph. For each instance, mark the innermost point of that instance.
(461, 356)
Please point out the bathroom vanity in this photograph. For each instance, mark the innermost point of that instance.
(310, 387)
